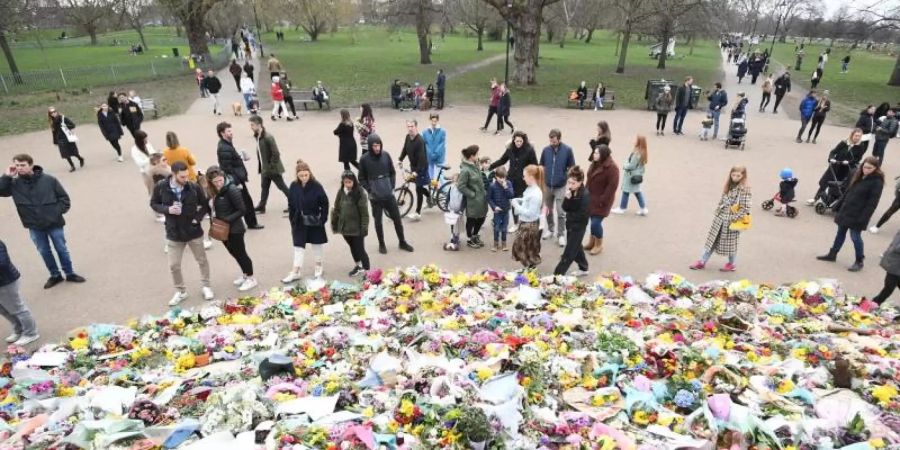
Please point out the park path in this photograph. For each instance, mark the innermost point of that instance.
(730, 84)
(466, 68)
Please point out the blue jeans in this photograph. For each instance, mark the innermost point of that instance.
(501, 222)
(597, 226)
(247, 99)
(433, 168)
(624, 203)
(678, 122)
(855, 236)
(715, 115)
(707, 254)
(42, 240)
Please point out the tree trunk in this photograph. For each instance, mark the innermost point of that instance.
(178, 30)
(562, 40)
(7, 52)
(590, 35)
(626, 36)
(92, 32)
(195, 29)
(140, 32)
(691, 38)
(895, 76)
(422, 29)
(664, 52)
(618, 41)
(537, 48)
(480, 32)
(549, 35)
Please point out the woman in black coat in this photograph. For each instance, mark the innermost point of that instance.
(857, 207)
(503, 108)
(228, 205)
(307, 212)
(130, 114)
(108, 121)
(63, 137)
(519, 154)
(842, 161)
(866, 123)
(347, 150)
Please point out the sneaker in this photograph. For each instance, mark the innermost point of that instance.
(291, 277)
(248, 284)
(25, 340)
(512, 228)
(562, 241)
(357, 271)
(120, 159)
(579, 273)
(471, 243)
(617, 211)
(415, 217)
(811, 202)
(53, 281)
(856, 267)
(873, 230)
(207, 293)
(547, 235)
(207, 243)
(799, 141)
(166, 248)
(643, 212)
(699, 265)
(239, 281)
(12, 338)
(161, 218)
(728, 267)
(178, 298)
(406, 247)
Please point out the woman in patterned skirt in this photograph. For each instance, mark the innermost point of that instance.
(527, 246)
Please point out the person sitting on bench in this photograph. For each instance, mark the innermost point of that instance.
(320, 94)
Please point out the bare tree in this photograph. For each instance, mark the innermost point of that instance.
(88, 15)
(314, 16)
(419, 13)
(12, 15)
(525, 19)
(192, 14)
(224, 18)
(668, 20)
(785, 12)
(475, 15)
(135, 13)
(589, 17)
(750, 10)
(632, 13)
(886, 18)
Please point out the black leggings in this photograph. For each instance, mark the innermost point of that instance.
(573, 252)
(491, 111)
(389, 208)
(116, 146)
(473, 226)
(890, 212)
(421, 196)
(358, 250)
(778, 98)
(237, 249)
(661, 121)
(891, 282)
(347, 165)
(506, 119)
(766, 97)
(816, 124)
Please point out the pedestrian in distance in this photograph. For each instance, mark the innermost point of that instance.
(248, 69)
(235, 69)
(184, 205)
(818, 118)
(664, 103)
(845, 63)
(684, 100)
(232, 163)
(350, 219)
(441, 84)
(782, 87)
(108, 122)
(503, 109)
(64, 138)
(347, 152)
(12, 303)
(365, 126)
(248, 89)
(807, 108)
(633, 177)
(718, 98)
(274, 66)
(229, 208)
(493, 105)
(213, 85)
(886, 129)
(768, 85)
(307, 213)
(140, 154)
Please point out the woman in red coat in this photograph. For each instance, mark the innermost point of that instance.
(602, 183)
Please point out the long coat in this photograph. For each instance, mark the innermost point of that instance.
(471, 184)
(66, 149)
(859, 203)
(307, 200)
(721, 239)
(518, 159)
(347, 149)
(890, 262)
(602, 182)
(109, 125)
(632, 167)
(269, 157)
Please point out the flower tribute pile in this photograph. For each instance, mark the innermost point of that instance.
(425, 359)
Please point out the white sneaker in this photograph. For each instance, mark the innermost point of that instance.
(873, 230)
(562, 241)
(166, 248)
(810, 202)
(207, 293)
(120, 159)
(414, 217)
(178, 298)
(512, 228)
(578, 273)
(207, 244)
(161, 218)
(292, 277)
(617, 211)
(240, 281)
(249, 283)
(643, 212)
(319, 272)
(25, 340)
(12, 338)
(547, 235)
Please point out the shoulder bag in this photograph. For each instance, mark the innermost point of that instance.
(219, 230)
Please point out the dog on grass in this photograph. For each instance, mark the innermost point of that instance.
(237, 108)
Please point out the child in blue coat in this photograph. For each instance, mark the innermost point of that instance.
(500, 193)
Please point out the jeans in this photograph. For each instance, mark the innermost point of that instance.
(596, 227)
(247, 99)
(661, 121)
(815, 124)
(176, 253)
(573, 252)
(358, 250)
(891, 282)
(715, 115)
(554, 200)
(473, 226)
(42, 240)
(890, 212)
(236, 248)
(501, 223)
(250, 215)
(855, 236)
(624, 203)
(267, 181)
(707, 254)
(433, 168)
(878, 150)
(13, 309)
(804, 121)
(389, 208)
(678, 121)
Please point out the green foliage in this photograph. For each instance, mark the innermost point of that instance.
(473, 423)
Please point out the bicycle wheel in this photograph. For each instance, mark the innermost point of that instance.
(442, 196)
(405, 200)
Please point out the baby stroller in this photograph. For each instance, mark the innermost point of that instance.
(737, 132)
(833, 194)
(789, 210)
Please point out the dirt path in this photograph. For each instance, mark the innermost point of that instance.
(466, 68)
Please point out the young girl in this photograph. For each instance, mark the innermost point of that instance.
(527, 246)
(733, 206)
(365, 125)
(575, 205)
(785, 191)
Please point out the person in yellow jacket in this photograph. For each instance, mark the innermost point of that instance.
(174, 152)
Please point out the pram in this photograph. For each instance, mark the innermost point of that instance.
(737, 132)
(833, 193)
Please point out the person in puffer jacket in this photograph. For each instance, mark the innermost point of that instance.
(499, 195)
(807, 106)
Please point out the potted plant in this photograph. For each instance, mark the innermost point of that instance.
(473, 423)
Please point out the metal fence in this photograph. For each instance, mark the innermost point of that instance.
(81, 77)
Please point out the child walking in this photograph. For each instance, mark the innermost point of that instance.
(499, 196)
(456, 204)
(785, 191)
(575, 204)
(707, 124)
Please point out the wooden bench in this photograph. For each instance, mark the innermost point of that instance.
(148, 104)
(305, 98)
(609, 100)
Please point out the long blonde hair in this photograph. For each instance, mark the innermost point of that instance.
(729, 185)
(640, 147)
(537, 174)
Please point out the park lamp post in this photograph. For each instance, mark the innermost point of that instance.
(508, 30)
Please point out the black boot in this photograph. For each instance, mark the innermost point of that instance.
(831, 256)
(856, 267)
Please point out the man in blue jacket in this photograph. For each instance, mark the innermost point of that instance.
(435, 146)
(12, 305)
(717, 101)
(41, 202)
(556, 159)
(807, 106)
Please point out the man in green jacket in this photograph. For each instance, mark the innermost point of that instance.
(270, 166)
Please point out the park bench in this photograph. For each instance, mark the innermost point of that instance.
(609, 100)
(148, 104)
(306, 98)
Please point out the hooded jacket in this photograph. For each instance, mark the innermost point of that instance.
(376, 172)
(435, 144)
(8, 272)
(109, 125)
(40, 199)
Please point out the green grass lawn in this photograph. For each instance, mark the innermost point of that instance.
(362, 71)
(864, 83)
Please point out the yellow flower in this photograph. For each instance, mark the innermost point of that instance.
(484, 373)
(589, 382)
(607, 443)
(407, 408)
(79, 343)
(640, 418)
(799, 353)
(877, 443)
(665, 338)
(785, 386)
(776, 320)
(401, 309)
(665, 420)
(369, 412)
(282, 397)
(393, 426)
(752, 356)
(884, 394)
(332, 386)
(185, 362)
(65, 391)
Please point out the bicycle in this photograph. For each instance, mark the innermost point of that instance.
(438, 192)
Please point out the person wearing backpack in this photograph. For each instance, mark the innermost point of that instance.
(378, 177)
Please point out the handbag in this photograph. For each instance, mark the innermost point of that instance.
(311, 220)
(70, 135)
(219, 230)
(637, 179)
(741, 224)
